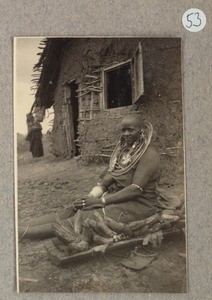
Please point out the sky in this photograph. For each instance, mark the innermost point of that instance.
(25, 57)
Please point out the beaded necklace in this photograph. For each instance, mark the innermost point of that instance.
(123, 159)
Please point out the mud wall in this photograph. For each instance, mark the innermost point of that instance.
(161, 104)
(58, 136)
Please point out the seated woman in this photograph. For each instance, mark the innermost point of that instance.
(127, 192)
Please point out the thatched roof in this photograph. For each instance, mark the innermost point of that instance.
(46, 70)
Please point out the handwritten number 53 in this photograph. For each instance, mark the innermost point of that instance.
(193, 20)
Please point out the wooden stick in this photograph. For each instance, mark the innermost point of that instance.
(28, 279)
(91, 105)
(102, 155)
(108, 146)
(91, 76)
(172, 148)
(92, 82)
(107, 150)
(59, 258)
(81, 95)
(82, 90)
(95, 90)
(96, 71)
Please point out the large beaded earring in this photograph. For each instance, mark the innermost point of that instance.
(141, 134)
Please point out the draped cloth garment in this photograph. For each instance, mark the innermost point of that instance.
(35, 139)
(147, 171)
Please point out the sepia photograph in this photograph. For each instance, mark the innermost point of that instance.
(99, 165)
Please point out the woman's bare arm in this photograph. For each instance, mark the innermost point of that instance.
(146, 168)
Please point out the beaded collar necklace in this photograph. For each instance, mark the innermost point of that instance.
(123, 159)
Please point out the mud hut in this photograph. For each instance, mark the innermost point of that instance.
(93, 82)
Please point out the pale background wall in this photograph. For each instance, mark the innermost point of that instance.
(150, 18)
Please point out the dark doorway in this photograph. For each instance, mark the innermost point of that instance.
(75, 114)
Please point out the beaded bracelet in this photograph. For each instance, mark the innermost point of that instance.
(103, 200)
(138, 187)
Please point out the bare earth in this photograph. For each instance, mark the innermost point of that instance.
(47, 185)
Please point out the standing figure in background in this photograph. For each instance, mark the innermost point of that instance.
(34, 135)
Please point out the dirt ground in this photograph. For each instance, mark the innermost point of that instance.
(47, 185)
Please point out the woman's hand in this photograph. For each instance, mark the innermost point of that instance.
(86, 201)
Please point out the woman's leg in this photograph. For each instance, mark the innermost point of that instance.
(35, 232)
(41, 227)
(38, 221)
(64, 214)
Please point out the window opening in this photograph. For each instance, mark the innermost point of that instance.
(124, 84)
(118, 89)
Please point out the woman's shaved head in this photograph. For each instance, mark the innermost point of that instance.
(131, 127)
(136, 118)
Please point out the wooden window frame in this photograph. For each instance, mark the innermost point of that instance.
(108, 69)
(137, 82)
(137, 74)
